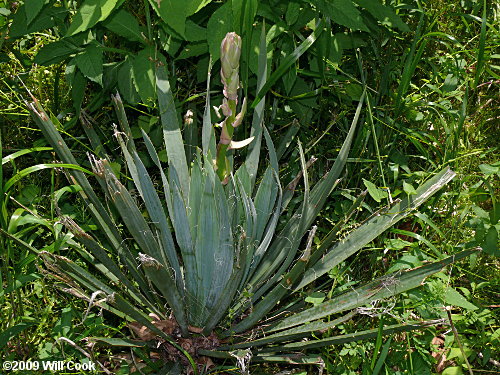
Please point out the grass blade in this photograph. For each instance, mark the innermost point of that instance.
(410, 64)
(13, 331)
(383, 356)
(287, 139)
(482, 45)
(25, 151)
(35, 168)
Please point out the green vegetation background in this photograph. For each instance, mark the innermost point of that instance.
(431, 69)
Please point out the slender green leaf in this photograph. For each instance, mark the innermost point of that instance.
(110, 269)
(292, 245)
(342, 339)
(221, 306)
(25, 151)
(281, 245)
(62, 265)
(120, 342)
(264, 201)
(482, 45)
(292, 333)
(287, 139)
(19, 282)
(172, 135)
(207, 132)
(94, 204)
(383, 356)
(13, 331)
(19, 241)
(78, 90)
(293, 359)
(35, 168)
(154, 261)
(412, 57)
(207, 241)
(244, 12)
(126, 84)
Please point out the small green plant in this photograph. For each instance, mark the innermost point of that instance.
(203, 254)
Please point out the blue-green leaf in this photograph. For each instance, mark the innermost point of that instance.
(171, 129)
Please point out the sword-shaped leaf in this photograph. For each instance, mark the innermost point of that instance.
(154, 260)
(147, 190)
(350, 337)
(377, 224)
(96, 207)
(171, 130)
(380, 288)
(280, 248)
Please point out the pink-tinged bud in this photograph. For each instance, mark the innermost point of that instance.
(230, 52)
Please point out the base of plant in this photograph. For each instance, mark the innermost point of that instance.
(192, 344)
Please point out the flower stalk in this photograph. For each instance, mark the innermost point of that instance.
(230, 65)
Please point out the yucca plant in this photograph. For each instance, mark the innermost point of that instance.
(202, 249)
